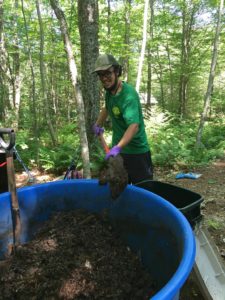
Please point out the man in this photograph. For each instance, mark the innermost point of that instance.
(123, 106)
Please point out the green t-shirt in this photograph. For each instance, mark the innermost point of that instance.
(124, 110)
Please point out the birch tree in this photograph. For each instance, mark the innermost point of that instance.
(76, 87)
(207, 98)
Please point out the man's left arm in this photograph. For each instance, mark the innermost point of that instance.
(128, 135)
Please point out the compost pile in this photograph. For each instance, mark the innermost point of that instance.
(75, 255)
(115, 174)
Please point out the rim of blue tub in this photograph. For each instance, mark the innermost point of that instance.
(188, 258)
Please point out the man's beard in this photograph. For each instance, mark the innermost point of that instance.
(113, 87)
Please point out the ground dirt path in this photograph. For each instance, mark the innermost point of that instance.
(211, 186)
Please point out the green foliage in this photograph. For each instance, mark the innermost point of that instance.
(52, 159)
(97, 161)
(214, 224)
(25, 149)
(173, 143)
(58, 159)
(213, 136)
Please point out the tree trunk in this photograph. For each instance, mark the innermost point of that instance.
(77, 92)
(170, 71)
(160, 78)
(88, 28)
(2, 90)
(127, 40)
(4, 67)
(188, 12)
(141, 59)
(3, 100)
(151, 34)
(43, 78)
(109, 15)
(52, 91)
(16, 74)
(207, 98)
(6, 73)
(33, 109)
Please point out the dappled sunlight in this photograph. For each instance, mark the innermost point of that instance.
(22, 178)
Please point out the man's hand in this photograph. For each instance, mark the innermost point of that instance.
(97, 130)
(113, 152)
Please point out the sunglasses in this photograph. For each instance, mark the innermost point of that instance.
(107, 74)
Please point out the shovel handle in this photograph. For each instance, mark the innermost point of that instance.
(104, 144)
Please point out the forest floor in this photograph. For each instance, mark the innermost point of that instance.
(210, 185)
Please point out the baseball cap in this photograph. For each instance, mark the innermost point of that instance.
(104, 62)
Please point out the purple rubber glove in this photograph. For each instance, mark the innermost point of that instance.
(97, 130)
(113, 152)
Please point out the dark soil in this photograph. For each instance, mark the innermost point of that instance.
(74, 256)
(211, 186)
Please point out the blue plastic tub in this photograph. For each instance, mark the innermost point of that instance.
(149, 225)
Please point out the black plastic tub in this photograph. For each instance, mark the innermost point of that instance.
(188, 202)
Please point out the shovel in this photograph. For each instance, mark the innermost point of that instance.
(113, 173)
(8, 148)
